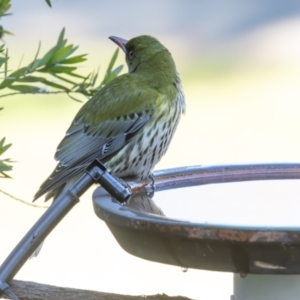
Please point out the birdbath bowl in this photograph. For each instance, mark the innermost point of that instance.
(249, 226)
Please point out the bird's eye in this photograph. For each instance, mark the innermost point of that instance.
(130, 54)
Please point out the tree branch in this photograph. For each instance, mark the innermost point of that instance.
(27, 290)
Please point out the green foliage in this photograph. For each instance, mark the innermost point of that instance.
(54, 72)
(3, 58)
(4, 7)
(49, 3)
(60, 63)
(4, 167)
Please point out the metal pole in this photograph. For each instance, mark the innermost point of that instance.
(96, 172)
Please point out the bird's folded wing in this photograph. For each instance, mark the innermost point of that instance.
(87, 140)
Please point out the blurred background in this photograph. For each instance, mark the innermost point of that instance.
(239, 62)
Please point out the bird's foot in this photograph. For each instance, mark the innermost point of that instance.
(150, 188)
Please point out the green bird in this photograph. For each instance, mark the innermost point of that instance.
(128, 124)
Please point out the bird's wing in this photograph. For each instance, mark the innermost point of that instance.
(88, 139)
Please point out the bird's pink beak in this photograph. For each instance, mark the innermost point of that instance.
(120, 42)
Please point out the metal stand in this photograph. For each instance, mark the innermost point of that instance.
(248, 250)
(95, 173)
(266, 287)
(268, 257)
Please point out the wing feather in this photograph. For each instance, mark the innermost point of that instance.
(87, 140)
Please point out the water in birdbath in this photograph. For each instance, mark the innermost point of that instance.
(273, 203)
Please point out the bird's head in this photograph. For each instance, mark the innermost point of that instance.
(143, 51)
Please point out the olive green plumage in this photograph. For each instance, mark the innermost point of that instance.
(128, 125)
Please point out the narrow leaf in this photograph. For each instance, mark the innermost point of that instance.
(26, 89)
(56, 85)
(73, 98)
(60, 69)
(61, 42)
(8, 81)
(57, 69)
(2, 142)
(31, 79)
(61, 54)
(49, 3)
(6, 64)
(74, 60)
(3, 60)
(64, 79)
(4, 175)
(110, 77)
(18, 73)
(112, 61)
(107, 76)
(95, 77)
(36, 62)
(4, 167)
(76, 75)
(4, 148)
(118, 70)
(3, 31)
(47, 56)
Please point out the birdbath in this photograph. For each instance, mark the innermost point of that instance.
(257, 240)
